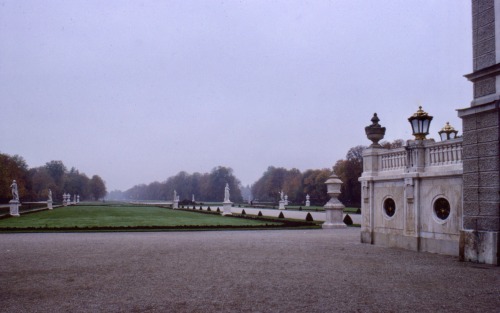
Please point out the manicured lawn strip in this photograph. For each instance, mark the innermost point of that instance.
(288, 222)
(110, 217)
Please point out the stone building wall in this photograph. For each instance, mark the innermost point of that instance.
(479, 239)
(414, 178)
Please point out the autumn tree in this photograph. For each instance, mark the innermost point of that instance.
(349, 171)
(14, 168)
(313, 184)
(41, 182)
(97, 187)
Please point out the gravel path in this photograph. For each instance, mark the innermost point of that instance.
(234, 271)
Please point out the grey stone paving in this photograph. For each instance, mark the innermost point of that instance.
(234, 271)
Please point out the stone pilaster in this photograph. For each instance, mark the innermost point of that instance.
(479, 238)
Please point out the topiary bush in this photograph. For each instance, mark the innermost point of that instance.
(309, 217)
(260, 213)
(281, 215)
(348, 220)
(218, 210)
(243, 212)
(208, 209)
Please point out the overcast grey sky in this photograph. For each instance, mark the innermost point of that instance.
(136, 91)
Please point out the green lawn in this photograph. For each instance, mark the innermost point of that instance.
(124, 216)
(319, 208)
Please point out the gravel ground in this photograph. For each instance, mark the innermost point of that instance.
(234, 271)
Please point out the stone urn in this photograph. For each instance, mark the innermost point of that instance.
(375, 132)
(334, 208)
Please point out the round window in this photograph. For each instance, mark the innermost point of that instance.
(442, 208)
(389, 207)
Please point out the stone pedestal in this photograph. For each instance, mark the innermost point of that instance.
(49, 204)
(227, 208)
(334, 216)
(308, 203)
(479, 246)
(175, 205)
(333, 208)
(14, 207)
(282, 205)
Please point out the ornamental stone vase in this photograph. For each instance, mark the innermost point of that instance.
(375, 132)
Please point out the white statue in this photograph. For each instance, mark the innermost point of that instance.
(226, 193)
(175, 195)
(78, 199)
(307, 197)
(281, 195)
(50, 195)
(15, 192)
(192, 198)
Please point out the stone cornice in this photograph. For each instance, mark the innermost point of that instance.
(490, 71)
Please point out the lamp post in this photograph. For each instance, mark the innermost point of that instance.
(447, 132)
(420, 123)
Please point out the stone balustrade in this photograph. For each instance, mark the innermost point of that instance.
(393, 160)
(444, 153)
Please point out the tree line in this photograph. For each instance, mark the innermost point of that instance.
(34, 183)
(297, 185)
(205, 187)
(311, 182)
(294, 183)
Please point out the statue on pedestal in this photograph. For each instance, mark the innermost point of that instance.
(15, 192)
(226, 193)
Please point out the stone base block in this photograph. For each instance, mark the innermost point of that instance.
(366, 237)
(432, 245)
(14, 208)
(395, 241)
(282, 205)
(49, 205)
(333, 217)
(226, 209)
(480, 246)
(333, 225)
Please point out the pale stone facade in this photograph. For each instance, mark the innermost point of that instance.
(401, 191)
(470, 184)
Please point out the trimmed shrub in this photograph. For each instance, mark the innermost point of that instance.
(208, 209)
(281, 215)
(300, 208)
(260, 213)
(358, 211)
(194, 208)
(243, 212)
(309, 217)
(218, 210)
(348, 220)
(200, 207)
